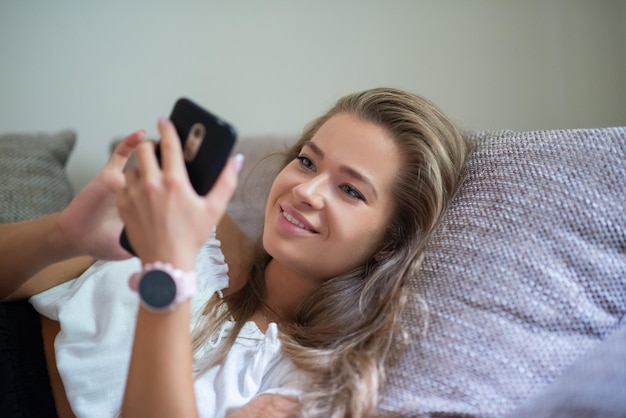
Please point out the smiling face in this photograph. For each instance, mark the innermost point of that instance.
(328, 209)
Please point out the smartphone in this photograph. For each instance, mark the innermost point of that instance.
(207, 142)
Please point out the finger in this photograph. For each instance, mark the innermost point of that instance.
(131, 177)
(122, 197)
(125, 148)
(147, 160)
(172, 160)
(226, 183)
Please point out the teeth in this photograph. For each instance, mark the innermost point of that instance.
(293, 220)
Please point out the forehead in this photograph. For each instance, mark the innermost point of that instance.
(362, 146)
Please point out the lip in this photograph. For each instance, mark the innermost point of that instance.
(292, 213)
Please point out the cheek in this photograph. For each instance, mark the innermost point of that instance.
(370, 243)
(362, 237)
(284, 182)
(374, 234)
(351, 253)
(277, 188)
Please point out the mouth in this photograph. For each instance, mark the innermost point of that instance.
(297, 220)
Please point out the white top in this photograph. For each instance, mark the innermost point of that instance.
(97, 312)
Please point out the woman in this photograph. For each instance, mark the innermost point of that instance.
(344, 231)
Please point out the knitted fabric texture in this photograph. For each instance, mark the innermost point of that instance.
(32, 169)
(526, 273)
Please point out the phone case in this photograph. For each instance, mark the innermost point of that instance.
(204, 161)
(207, 142)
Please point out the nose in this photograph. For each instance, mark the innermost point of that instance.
(312, 192)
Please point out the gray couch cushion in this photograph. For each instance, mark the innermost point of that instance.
(595, 386)
(526, 273)
(32, 169)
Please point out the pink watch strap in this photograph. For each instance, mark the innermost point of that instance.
(186, 281)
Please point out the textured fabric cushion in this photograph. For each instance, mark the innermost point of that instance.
(32, 169)
(595, 386)
(526, 273)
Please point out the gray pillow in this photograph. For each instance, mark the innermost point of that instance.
(595, 386)
(526, 273)
(32, 172)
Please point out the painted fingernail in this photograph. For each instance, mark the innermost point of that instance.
(238, 162)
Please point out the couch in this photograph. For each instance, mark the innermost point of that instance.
(519, 307)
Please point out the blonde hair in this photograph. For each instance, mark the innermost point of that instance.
(343, 332)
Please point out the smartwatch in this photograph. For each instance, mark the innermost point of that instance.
(162, 287)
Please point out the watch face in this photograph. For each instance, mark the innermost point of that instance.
(157, 289)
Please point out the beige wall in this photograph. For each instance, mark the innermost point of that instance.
(107, 68)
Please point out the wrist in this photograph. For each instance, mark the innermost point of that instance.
(162, 287)
(177, 263)
(59, 238)
(177, 257)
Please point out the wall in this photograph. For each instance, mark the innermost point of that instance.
(108, 68)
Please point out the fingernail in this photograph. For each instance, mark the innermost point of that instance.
(162, 120)
(238, 163)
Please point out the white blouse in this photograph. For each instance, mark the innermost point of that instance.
(97, 313)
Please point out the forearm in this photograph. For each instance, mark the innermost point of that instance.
(29, 246)
(170, 222)
(160, 380)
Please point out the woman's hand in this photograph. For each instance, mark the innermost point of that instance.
(91, 222)
(90, 225)
(166, 220)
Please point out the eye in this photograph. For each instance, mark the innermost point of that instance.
(352, 192)
(306, 162)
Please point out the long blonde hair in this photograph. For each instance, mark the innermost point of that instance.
(343, 332)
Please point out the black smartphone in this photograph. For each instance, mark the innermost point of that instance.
(207, 142)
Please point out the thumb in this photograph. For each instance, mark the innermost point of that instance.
(223, 189)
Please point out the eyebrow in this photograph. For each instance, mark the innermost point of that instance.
(344, 168)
